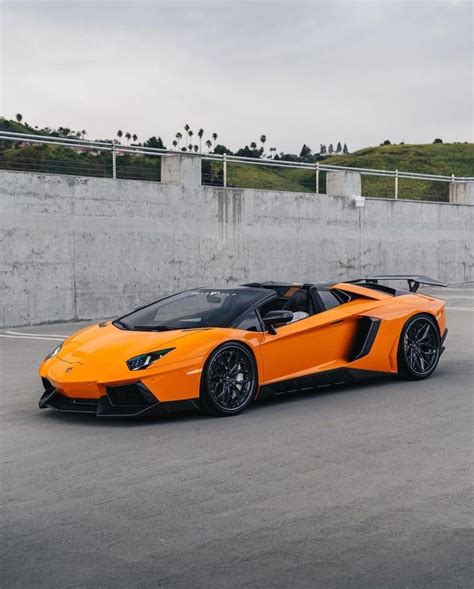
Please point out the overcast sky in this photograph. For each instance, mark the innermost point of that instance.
(300, 72)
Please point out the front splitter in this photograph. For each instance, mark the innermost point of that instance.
(103, 407)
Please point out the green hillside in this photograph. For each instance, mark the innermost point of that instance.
(57, 159)
(439, 158)
(435, 158)
(15, 127)
(271, 178)
(432, 158)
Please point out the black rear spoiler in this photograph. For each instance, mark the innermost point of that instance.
(413, 280)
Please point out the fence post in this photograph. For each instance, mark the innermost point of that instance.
(181, 168)
(224, 170)
(343, 183)
(114, 162)
(317, 177)
(461, 193)
(396, 184)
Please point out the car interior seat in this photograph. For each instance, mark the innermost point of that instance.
(299, 304)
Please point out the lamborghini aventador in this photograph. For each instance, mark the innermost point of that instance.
(220, 349)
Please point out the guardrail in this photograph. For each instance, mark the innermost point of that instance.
(110, 168)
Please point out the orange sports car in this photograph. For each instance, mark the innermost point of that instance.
(219, 349)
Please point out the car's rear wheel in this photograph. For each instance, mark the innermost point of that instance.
(419, 348)
(229, 381)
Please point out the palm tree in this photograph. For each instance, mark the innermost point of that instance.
(196, 148)
(134, 137)
(214, 136)
(175, 143)
(208, 145)
(190, 134)
(128, 137)
(83, 133)
(19, 117)
(186, 128)
(200, 134)
(119, 134)
(263, 138)
(253, 145)
(179, 136)
(190, 147)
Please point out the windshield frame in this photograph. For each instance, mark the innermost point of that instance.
(262, 295)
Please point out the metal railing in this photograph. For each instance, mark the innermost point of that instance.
(111, 169)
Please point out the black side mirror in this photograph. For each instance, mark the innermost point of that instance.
(275, 318)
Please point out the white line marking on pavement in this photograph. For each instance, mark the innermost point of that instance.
(460, 309)
(38, 334)
(44, 339)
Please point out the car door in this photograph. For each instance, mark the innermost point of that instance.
(304, 347)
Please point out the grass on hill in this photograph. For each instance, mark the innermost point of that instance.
(436, 158)
(57, 159)
(52, 159)
(270, 178)
(15, 127)
(444, 159)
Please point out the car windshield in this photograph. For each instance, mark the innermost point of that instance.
(192, 309)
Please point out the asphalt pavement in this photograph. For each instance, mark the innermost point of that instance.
(361, 486)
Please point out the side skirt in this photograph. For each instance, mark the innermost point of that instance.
(319, 380)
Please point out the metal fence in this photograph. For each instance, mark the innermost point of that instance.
(108, 159)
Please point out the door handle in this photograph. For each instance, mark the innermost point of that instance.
(337, 322)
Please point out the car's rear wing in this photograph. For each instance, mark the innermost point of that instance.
(413, 281)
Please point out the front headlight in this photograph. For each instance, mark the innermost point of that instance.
(54, 352)
(144, 360)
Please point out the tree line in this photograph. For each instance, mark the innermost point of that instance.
(187, 140)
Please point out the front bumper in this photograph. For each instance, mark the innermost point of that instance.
(133, 400)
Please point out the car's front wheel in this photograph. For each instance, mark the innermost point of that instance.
(229, 382)
(419, 348)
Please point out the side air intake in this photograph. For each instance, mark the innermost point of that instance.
(366, 332)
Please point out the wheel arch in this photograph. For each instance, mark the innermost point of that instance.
(432, 316)
(401, 370)
(415, 313)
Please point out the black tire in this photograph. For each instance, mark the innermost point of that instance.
(419, 348)
(229, 380)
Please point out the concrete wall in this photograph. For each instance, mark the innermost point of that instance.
(85, 248)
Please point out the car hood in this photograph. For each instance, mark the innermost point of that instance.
(106, 344)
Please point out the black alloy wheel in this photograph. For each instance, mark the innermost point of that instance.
(420, 347)
(229, 381)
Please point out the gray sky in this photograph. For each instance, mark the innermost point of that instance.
(300, 72)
